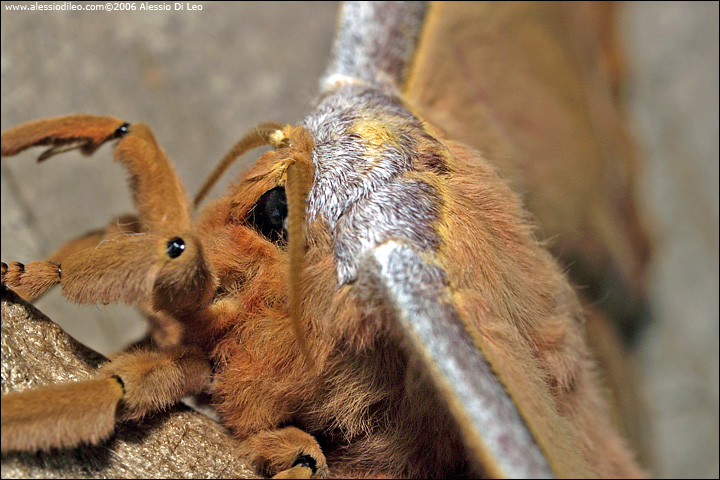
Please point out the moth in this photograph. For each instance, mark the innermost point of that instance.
(371, 299)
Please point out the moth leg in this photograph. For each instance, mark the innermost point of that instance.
(126, 224)
(84, 132)
(165, 267)
(122, 225)
(285, 453)
(127, 388)
(168, 272)
(157, 191)
(164, 329)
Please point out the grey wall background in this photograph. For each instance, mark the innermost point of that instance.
(201, 79)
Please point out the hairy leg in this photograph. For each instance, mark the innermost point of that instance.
(127, 388)
(285, 453)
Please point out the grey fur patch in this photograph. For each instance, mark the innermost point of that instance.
(405, 210)
(360, 186)
(376, 42)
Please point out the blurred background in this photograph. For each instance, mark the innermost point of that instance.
(201, 79)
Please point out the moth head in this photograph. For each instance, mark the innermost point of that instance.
(270, 200)
(281, 176)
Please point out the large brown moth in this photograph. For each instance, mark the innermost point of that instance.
(370, 299)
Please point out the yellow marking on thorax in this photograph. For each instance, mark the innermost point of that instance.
(377, 135)
(376, 132)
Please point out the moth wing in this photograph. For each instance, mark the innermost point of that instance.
(533, 85)
(490, 423)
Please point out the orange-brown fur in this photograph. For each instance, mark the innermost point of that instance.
(60, 415)
(366, 400)
(529, 319)
(88, 130)
(153, 379)
(552, 123)
(271, 451)
(521, 302)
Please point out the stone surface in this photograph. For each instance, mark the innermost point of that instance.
(178, 443)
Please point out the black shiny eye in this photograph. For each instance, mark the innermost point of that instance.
(121, 130)
(269, 213)
(175, 247)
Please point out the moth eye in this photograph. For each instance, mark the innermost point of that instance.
(268, 215)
